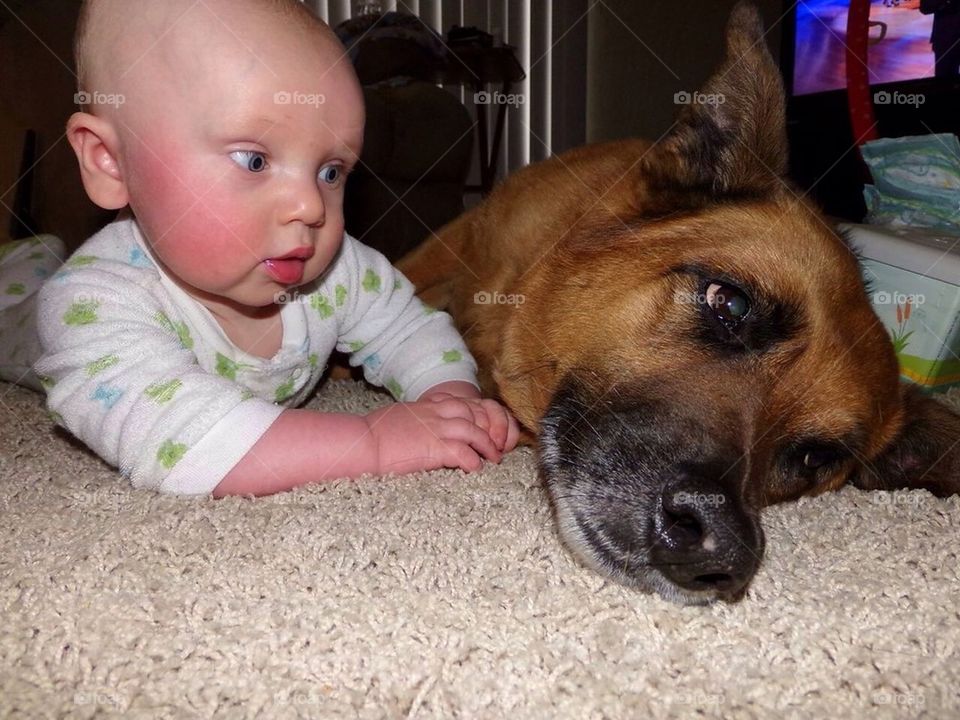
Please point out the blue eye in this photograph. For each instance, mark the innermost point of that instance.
(249, 160)
(330, 174)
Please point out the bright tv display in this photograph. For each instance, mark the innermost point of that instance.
(899, 47)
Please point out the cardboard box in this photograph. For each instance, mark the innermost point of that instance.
(914, 278)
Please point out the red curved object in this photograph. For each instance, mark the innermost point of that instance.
(860, 104)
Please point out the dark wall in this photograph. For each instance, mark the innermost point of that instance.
(37, 85)
(641, 52)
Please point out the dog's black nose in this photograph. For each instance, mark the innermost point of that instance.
(701, 537)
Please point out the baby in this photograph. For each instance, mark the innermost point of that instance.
(178, 341)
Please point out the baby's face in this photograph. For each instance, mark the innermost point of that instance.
(236, 159)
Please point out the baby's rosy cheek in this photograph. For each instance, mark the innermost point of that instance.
(211, 243)
(161, 193)
(183, 198)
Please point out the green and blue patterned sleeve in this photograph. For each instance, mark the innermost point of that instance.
(401, 343)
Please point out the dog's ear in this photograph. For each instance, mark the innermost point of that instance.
(731, 138)
(925, 455)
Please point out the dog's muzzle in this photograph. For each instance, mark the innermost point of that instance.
(649, 496)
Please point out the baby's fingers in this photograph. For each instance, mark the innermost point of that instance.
(495, 422)
(462, 456)
(481, 419)
(479, 440)
(503, 426)
(513, 432)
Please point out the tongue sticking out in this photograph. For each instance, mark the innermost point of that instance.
(286, 271)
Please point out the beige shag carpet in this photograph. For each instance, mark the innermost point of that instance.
(443, 595)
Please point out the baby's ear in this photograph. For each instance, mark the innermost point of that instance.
(95, 142)
(925, 455)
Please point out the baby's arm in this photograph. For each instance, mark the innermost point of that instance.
(401, 344)
(302, 446)
(120, 374)
(121, 378)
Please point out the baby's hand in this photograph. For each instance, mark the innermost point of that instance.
(442, 429)
(488, 414)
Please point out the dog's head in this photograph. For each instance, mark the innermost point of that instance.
(721, 354)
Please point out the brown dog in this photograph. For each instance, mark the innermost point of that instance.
(686, 337)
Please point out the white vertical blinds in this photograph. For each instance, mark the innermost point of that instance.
(530, 27)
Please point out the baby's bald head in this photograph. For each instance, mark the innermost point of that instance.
(178, 84)
(118, 42)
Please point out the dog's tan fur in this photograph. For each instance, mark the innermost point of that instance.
(597, 295)
(595, 246)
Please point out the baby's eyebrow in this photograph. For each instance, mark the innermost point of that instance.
(260, 123)
(347, 152)
(248, 122)
(348, 143)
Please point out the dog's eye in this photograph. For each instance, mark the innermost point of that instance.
(807, 462)
(819, 456)
(815, 459)
(730, 304)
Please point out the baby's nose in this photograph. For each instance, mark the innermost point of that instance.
(308, 206)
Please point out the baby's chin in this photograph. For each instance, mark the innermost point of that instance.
(266, 301)
(255, 294)
(255, 302)
(273, 296)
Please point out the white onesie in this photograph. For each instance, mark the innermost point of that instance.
(145, 376)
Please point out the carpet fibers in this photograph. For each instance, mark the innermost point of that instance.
(443, 595)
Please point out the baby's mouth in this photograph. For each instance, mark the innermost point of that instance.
(288, 269)
(285, 271)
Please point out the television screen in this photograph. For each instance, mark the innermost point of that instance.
(898, 48)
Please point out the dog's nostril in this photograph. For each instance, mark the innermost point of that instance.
(717, 580)
(702, 540)
(681, 530)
